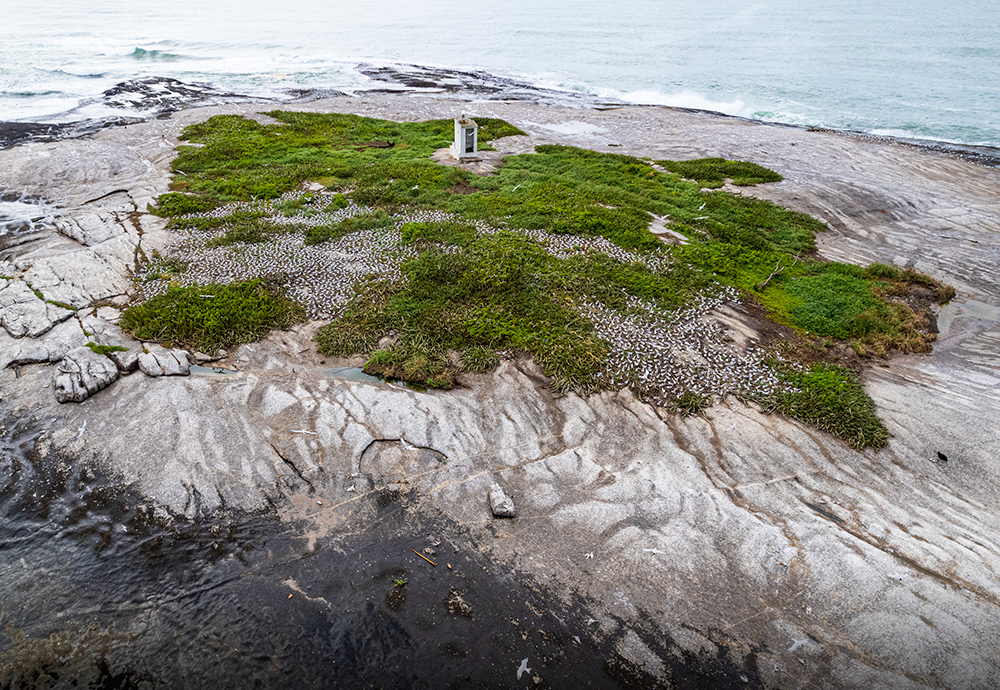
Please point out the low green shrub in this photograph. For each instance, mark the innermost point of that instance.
(712, 172)
(207, 317)
(478, 300)
(833, 399)
(366, 221)
(461, 234)
(174, 204)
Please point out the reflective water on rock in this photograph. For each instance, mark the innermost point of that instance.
(21, 213)
(968, 308)
(351, 374)
(199, 370)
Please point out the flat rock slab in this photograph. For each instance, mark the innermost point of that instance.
(23, 313)
(50, 347)
(81, 373)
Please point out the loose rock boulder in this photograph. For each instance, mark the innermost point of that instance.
(160, 361)
(81, 373)
(127, 361)
(501, 504)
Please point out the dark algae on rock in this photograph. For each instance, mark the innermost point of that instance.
(550, 255)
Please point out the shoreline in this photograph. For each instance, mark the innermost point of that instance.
(14, 132)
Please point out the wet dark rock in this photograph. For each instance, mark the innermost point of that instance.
(303, 95)
(17, 226)
(457, 606)
(14, 133)
(18, 132)
(163, 94)
(403, 77)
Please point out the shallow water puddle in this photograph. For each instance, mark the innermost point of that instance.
(352, 374)
(957, 309)
(199, 370)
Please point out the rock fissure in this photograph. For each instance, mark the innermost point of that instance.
(106, 195)
(291, 464)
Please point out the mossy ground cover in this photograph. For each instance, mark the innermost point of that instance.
(238, 159)
(365, 221)
(527, 258)
(713, 172)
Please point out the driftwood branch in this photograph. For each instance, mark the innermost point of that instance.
(778, 268)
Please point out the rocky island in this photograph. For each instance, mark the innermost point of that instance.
(641, 398)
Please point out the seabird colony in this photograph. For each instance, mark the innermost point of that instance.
(660, 355)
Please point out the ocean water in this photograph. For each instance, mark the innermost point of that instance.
(908, 68)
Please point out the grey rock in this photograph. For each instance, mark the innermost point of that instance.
(501, 504)
(106, 333)
(22, 313)
(90, 229)
(160, 361)
(71, 174)
(52, 346)
(127, 361)
(101, 331)
(83, 275)
(81, 373)
(109, 314)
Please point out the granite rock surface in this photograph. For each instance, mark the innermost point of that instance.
(737, 533)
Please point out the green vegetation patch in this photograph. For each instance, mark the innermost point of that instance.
(207, 317)
(249, 230)
(106, 349)
(365, 221)
(832, 399)
(864, 305)
(713, 172)
(497, 293)
(501, 292)
(238, 159)
(690, 404)
(442, 232)
(484, 283)
(491, 128)
(174, 204)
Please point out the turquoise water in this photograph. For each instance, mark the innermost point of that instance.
(910, 68)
